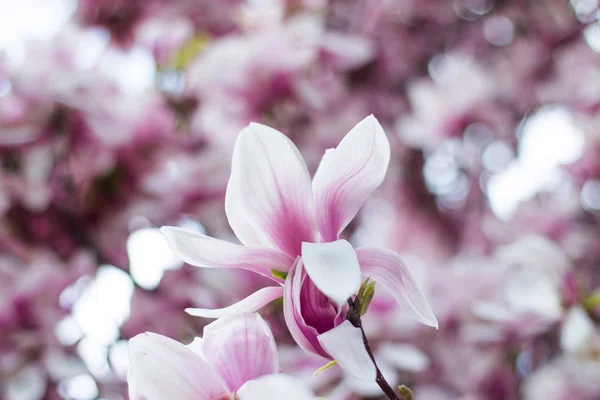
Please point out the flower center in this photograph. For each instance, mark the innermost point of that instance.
(317, 310)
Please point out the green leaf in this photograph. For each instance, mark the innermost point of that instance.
(365, 295)
(279, 274)
(592, 301)
(406, 393)
(189, 51)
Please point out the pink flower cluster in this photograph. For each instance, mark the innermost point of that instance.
(120, 117)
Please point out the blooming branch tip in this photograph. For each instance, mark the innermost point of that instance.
(405, 392)
(279, 274)
(365, 296)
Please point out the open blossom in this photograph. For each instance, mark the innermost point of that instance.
(237, 357)
(291, 228)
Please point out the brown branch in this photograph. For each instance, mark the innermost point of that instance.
(354, 318)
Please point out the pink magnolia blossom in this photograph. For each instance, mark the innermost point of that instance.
(289, 227)
(237, 356)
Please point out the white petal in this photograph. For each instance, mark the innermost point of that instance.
(269, 197)
(405, 357)
(388, 269)
(346, 50)
(161, 368)
(203, 251)
(240, 349)
(348, 175)
(577, 331)
(28, 383)
(345, 344)
(254, 302)
(333, 268)
(276, 387)
(196, 346)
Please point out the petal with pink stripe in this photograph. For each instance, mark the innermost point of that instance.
(240, 349)
(254, 302)
(388, 269)
(161, 368)
(203, 251)
(269, 198)
(348, 174)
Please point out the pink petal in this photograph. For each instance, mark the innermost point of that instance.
(240, 349)
(304, 335)
(161, 368)
(333, 268)
(318, 311)
(278, 386)
(269, 199)
(254, 302)
(203, 251)
(345, 344)
(348, 175)
(388, 269)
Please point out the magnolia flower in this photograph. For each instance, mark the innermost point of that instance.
(236, 357)
(290, 229)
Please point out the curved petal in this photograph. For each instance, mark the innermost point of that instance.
(317, 310)
(345, 344)
(348, 175)
(388, 269)
(304, 335)
(278, 386)
(254, 302)
(269, 198)
(333, 268)
(161, 368)
(240, 349)
(203, 251)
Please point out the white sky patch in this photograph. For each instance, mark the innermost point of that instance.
(95, 356)
(531, 292)
(105, 304)
(584, 9)
(577, 331)
(134, 71)
(80, 387)
(93, 42)
(444, 68)
(5, 87)
(590, 195)
(119, 358)
(584, 6)
(592, 36)
(499, 30)
(30, 20)
(149, 257)
(28, 384)
(441, 171)
(187, 222)
(68, 331)
(405, 357)
(549, 138)
(497, 156)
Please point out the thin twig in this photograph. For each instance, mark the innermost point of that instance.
(354, 318)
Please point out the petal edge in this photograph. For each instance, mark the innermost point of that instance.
(204, 251)
(269, 198)
(333, 267)
(387, 268)
(252, 303)
(348, 174)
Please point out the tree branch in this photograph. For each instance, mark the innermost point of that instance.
(354, 318)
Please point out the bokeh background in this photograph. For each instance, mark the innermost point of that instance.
(119, 116)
